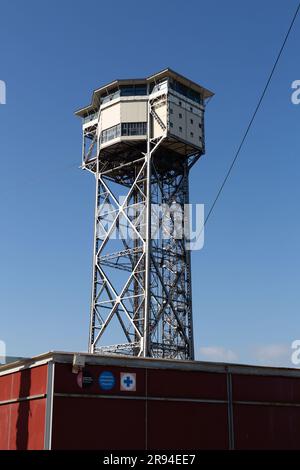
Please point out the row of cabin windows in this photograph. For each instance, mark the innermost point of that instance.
(179, 88)
(141, 90)
(125, 90)
(90, 117)
(125, 128)
(185, 91)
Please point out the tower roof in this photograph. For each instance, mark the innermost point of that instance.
(105, 89)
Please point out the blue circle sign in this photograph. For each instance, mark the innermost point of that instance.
(107, 380)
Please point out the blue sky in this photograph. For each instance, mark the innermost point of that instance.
(246, 279)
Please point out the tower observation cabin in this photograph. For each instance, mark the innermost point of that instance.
(143, 135)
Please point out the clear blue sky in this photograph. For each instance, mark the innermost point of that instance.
(53, 54)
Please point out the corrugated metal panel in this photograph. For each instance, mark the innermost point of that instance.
(22, 425)
(187, 384)
(87, 423)
(266, 427)
(266, 389)
(187, 426)
(23, 383)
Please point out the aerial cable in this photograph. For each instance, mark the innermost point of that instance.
(252, 118)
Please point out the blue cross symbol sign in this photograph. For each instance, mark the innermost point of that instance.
(127, 382)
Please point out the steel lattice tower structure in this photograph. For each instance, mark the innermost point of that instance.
(141, 137)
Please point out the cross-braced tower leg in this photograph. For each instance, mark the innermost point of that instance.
(125, 224)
